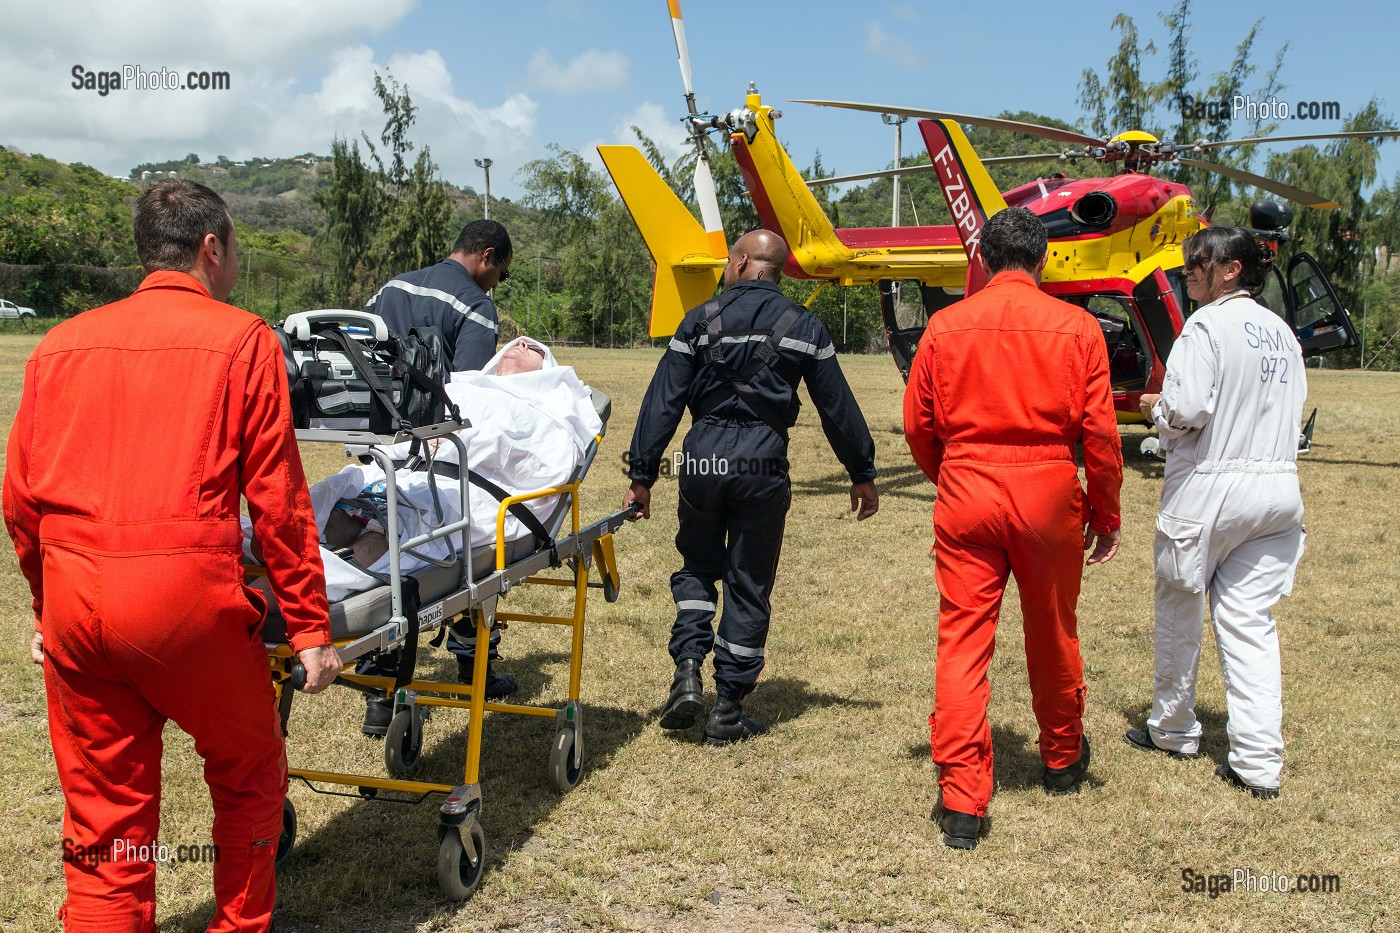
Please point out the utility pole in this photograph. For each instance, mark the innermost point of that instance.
(485, 165)
(896, 121)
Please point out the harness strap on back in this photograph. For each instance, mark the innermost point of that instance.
(739, 382)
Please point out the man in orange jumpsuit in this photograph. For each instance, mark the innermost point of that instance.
(140, 424)
(1004, 386)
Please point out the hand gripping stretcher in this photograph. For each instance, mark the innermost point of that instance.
(410, 607)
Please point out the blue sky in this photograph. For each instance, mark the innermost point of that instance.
(503, 80)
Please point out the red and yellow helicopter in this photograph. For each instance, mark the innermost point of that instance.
(1115, 243)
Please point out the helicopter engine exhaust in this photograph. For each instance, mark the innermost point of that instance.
(1095, 209)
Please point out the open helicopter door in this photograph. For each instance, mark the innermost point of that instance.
(905, 307)
(1314, 312)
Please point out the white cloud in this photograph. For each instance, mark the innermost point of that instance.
(589, 71)
(904, 12)
(657, 123)
(299, 74)
(886, 46)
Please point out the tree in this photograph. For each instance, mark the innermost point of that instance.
(383, 217)
(602, 274)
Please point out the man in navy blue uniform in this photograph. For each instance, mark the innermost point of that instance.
(450, 297)
(735, 363)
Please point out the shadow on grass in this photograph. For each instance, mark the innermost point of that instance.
(1215, 744)
(775, 701)
(1016, 762)
(905, 481)
(372, 865)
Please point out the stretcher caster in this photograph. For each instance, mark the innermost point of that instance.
(566, 754)
(289, 831)
(565, 767)
(609, 589)
(403, 743)
(458, 869)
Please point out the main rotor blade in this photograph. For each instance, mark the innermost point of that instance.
(1287, 139)
(704, 179)
(925, 167)
(1306, 198)
(682, 52)
(994, 123)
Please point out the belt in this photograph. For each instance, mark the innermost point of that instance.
(212, 534)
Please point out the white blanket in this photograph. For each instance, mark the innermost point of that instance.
(528, 431)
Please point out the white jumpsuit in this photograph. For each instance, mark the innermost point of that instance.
(1231, 523)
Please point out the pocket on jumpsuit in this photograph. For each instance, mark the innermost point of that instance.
(1179, 555)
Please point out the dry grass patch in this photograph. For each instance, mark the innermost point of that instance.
(823, 824)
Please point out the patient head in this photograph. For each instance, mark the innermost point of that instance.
(522, 356)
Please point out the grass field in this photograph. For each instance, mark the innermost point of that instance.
(823, 823)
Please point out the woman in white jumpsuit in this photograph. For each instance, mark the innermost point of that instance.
(1231, 522)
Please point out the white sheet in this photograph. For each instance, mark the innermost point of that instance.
(529, 431)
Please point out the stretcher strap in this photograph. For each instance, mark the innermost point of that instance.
(409, 589)
(543, 538)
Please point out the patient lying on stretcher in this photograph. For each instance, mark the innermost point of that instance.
(532, 422)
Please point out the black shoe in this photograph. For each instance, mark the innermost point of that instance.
(686, 698)
(378, 712)
(960, 830)
(1142, 738)
(728, 724)
(498, 686)
(1066, 780)
(1227, 773)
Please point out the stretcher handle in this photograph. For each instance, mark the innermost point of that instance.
(299, 325)
(298, 677)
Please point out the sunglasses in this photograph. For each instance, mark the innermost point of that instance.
(1194, 265)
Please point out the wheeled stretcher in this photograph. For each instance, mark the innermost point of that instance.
(410, 608)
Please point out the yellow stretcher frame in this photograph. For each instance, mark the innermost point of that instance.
(462, 842)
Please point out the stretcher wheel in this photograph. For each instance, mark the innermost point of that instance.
(289, 831)
(563, 773)
(459, 871)
(403, 743)
(609, 588)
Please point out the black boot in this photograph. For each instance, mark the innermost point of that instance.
(684, 702)
(729, 724)
(1066, 780)
(960, 830)
(378, 712)
(498, 686)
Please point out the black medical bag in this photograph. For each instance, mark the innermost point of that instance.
(347, 372)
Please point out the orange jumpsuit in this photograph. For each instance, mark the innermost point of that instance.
(1004, 386)
(140, 424)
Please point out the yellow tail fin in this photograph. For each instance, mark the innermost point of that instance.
(689, 263)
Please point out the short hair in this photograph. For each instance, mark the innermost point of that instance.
(1013, 238)
(171, 221)
(480, 234)
(1216, 245)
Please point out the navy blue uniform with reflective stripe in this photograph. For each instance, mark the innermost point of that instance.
(733, 488)
(444, 296)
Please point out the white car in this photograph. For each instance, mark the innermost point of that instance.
(12, 312)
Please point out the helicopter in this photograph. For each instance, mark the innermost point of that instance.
(1115, 242)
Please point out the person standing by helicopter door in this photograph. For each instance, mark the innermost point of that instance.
(735, 362)
(1231, 521)
(1006, 383)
